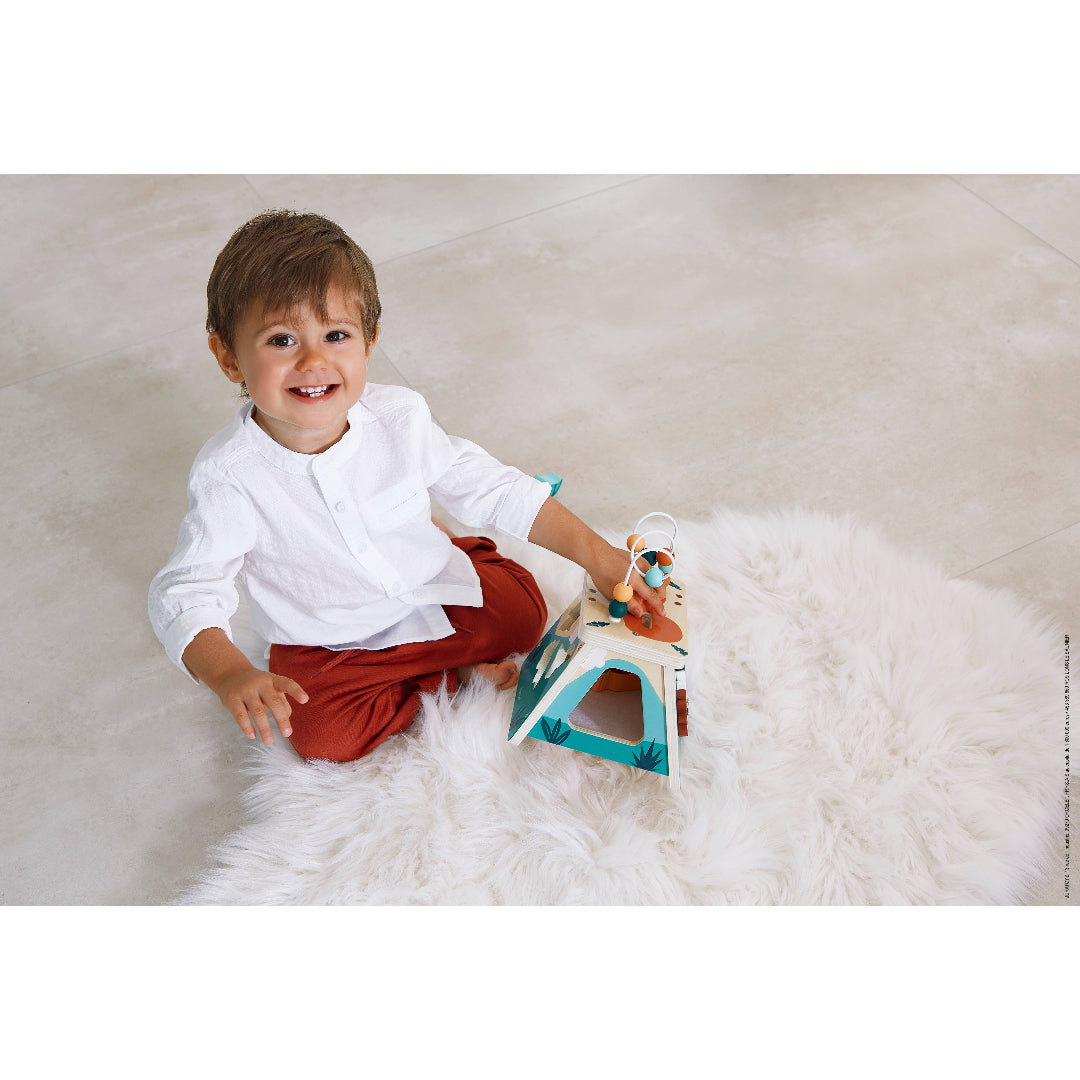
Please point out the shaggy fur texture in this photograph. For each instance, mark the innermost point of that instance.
(862, 731)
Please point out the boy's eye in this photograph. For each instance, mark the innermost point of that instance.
(336, 335)
(281, 340)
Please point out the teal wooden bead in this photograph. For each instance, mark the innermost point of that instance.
(617, 609)
(654, 576)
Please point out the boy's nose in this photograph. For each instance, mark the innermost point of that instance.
(310, 359)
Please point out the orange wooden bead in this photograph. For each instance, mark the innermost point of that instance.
(664, 559)
(635, 542)
(622, 593)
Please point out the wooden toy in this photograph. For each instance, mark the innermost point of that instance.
(605, 682)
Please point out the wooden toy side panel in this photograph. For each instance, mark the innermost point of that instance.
(553, 724)
(632, 715)
(542, 669)
(672, 727)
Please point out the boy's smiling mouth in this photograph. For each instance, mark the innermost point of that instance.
(314, 393)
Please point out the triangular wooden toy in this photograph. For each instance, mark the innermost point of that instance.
(607, 683)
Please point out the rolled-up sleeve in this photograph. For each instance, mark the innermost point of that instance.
(196, 590)
(475, 487)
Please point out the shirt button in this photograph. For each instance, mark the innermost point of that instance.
(396, 588)
(340, 508)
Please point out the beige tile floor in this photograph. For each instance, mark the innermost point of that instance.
(901, 347)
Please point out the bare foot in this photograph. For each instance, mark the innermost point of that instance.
(504, 675)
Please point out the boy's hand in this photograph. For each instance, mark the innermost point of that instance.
(249, 694)
(245, 690)
(608, 569)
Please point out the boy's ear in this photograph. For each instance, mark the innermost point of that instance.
(225, 358)
(374, 338)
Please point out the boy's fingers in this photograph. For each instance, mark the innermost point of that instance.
(281, 709)
(258, 715)
(244, 722)
(648, 598)
(293, 688)
(278, 704)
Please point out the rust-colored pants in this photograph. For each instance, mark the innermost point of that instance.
(357, 698)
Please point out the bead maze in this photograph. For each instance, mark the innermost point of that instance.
(605, 682)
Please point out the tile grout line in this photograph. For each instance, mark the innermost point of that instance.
(510, 221)
(1018, 224)
(485, 228)
(403, 255)
(97, 356)
(130, 345)
(386, 356)
(385, 262)
(169, 333)
(998, 558)
(1068, 258)
(476, 232)
(247, 180)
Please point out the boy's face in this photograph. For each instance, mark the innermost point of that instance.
(303, 373)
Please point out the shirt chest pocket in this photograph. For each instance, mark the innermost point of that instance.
(400, 504)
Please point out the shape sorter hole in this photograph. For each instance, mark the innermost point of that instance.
(612, 708)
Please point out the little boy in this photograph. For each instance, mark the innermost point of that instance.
(316, 500)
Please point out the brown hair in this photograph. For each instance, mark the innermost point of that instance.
(280, 259)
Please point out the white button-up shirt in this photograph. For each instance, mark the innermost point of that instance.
(336, 549)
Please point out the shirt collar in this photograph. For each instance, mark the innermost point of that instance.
(290, 460)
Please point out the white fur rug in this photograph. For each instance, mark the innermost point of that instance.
(862, 731)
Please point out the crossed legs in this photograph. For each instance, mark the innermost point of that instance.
(358, 698)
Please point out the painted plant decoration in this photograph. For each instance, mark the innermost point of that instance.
(556, 734)
(648, 759)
